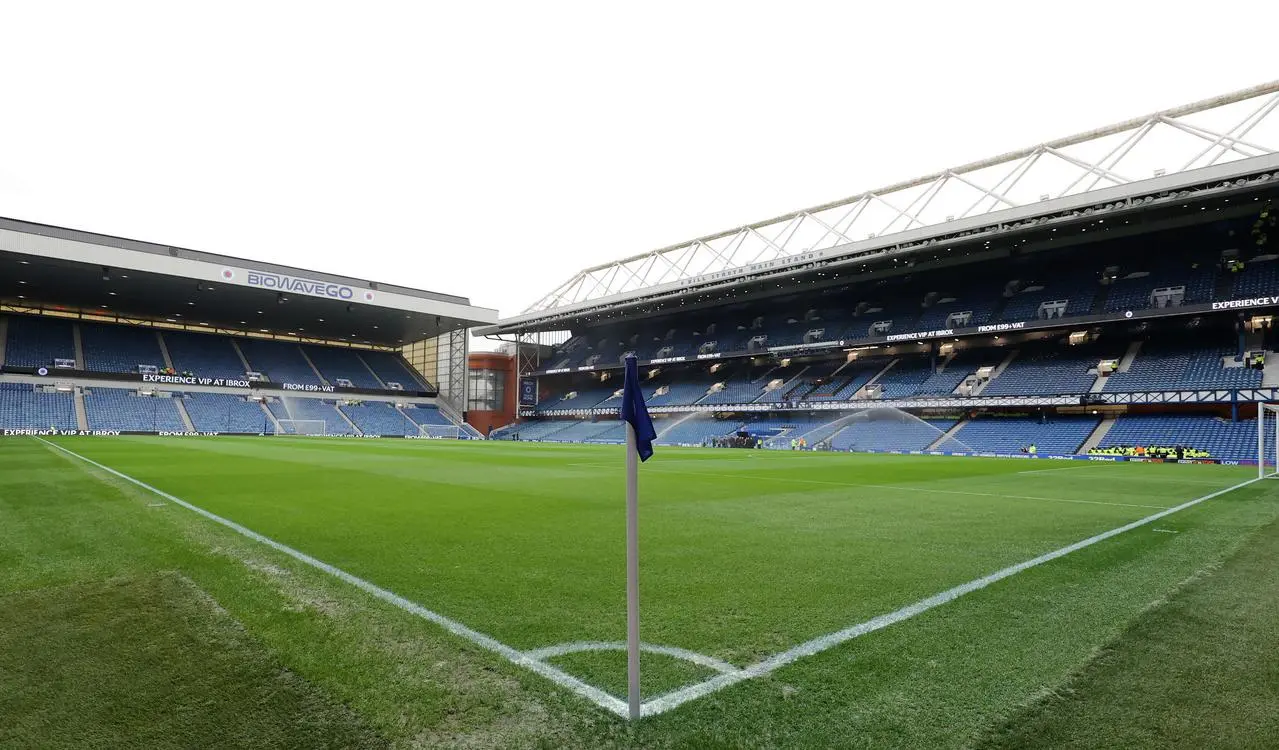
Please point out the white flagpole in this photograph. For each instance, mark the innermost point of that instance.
(632, 574)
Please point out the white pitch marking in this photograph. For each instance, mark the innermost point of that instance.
(1166, 531)
(563, 679)
(702, 660)
(155, 505)
(679, 697)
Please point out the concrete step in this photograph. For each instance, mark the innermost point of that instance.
(275, 423)
(1270, 374)
(79, 347)
(243, 359)
(182, 410)
(164, 351)
(1133, 350)
(1094, 439)
(81, 416)
(314, 369)
(947, 435)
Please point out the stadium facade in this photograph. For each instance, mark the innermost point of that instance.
(102, 334)
(1095, 293)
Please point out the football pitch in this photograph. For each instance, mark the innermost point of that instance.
(467, 593)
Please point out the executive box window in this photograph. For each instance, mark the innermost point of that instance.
(487, 391)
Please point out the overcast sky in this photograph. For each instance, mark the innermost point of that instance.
(492, 150)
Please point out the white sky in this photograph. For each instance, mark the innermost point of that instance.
(492, 150)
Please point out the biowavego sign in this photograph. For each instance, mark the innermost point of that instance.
(295, 285)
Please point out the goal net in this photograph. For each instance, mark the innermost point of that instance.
(301, 427)
(1267, 441)
(440, 431)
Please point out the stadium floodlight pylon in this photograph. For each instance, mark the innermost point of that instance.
(305, 427)
(1267, 424)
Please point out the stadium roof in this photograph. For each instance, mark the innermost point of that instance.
(46, 268)
(1218, 137)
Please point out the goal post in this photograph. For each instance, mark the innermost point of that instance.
(440, 431)
(1267, 429)
(305, 427)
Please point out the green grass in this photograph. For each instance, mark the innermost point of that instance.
(744, 554)
(1201, 670)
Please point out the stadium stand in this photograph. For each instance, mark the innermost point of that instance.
(1135, 292)
(1220, 437)
(124, 410)
(119, 348)
(1257, 277)
(426, 415)
(343, 363)
(379, 418)
(908, 376)
(391, 368)
(1173, 367)
(890, 434)
(37, 342)
(203, 355)
(224, 412)
(280, 362)
(22, 407)
(311, 409)
(1011, 435)
(695, 431)
(1049, 370)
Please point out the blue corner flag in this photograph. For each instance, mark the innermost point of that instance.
(635, 412)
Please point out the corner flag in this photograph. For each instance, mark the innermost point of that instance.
(635, 412)
(640, 435)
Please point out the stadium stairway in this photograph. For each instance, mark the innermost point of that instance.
(1097, 435)
(343, 414)
(778, 394)
(77, 341)
(947, 435)
(1134, 349)
(270, 415)
(1270, 374)
(81, 416)
(183, 415)
(826, 430)
(311, 363)
(377, 378)
(164, 350)
(240, 353)
(999, 370)
(883, 371)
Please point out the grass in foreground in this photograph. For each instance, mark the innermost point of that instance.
(1199, 671)
(151, 662)
(743, 557)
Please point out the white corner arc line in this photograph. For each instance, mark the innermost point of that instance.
(519, 658)
(563, 649)
(676, 698)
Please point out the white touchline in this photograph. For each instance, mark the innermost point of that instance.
(679, 697)
(591, 693)
(729, 675)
